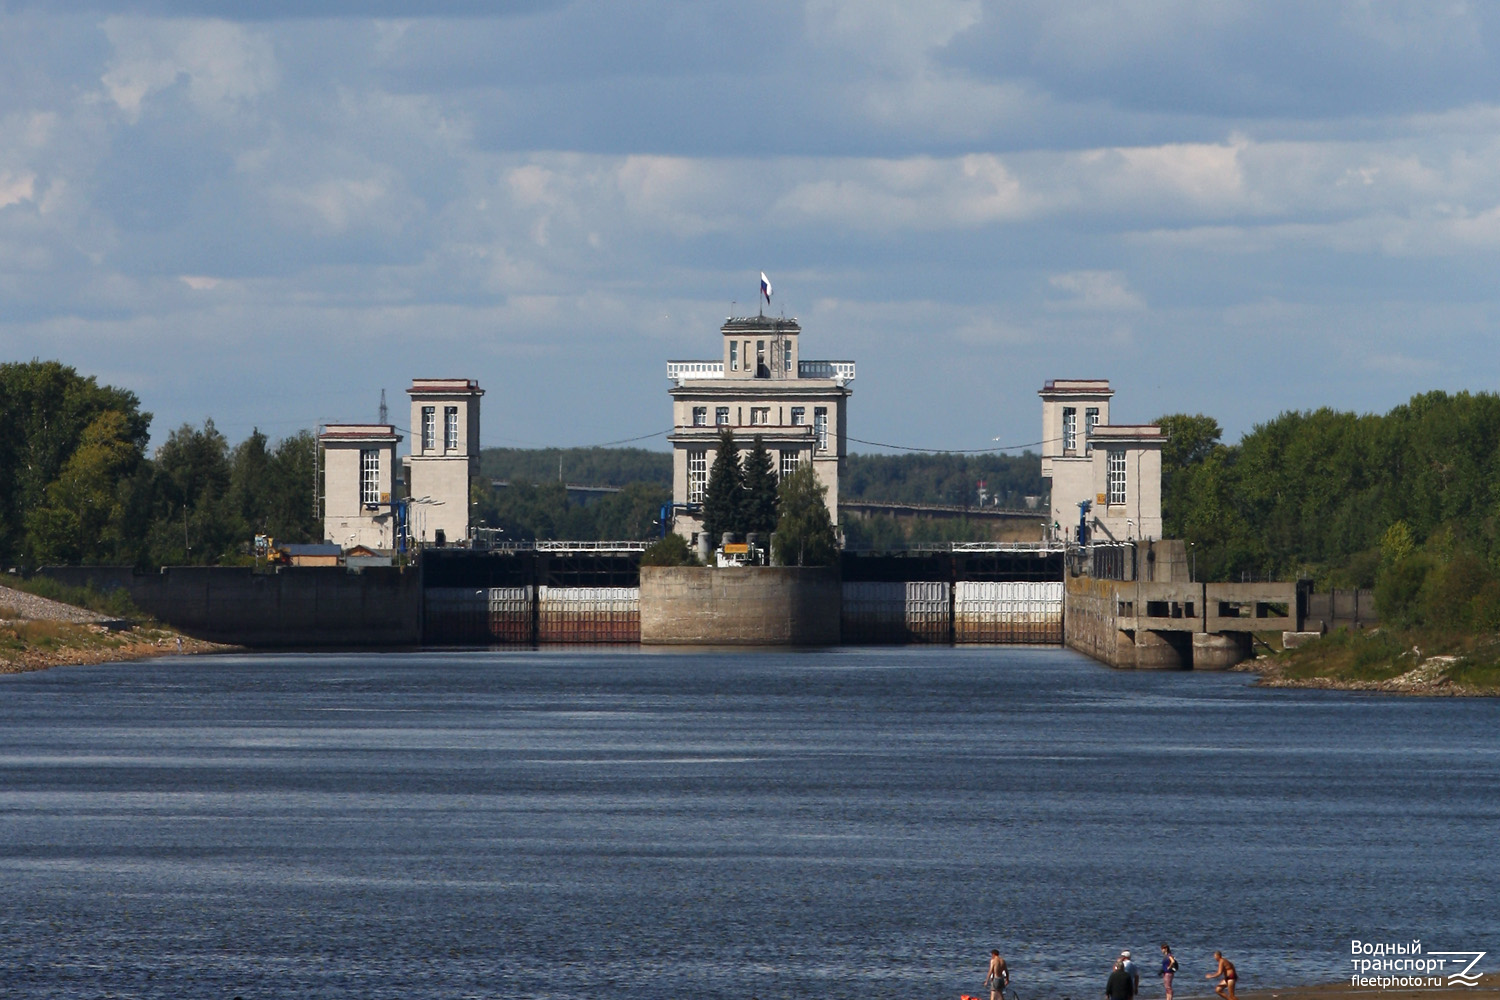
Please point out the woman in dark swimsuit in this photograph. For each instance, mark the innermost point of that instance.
(1226, 975)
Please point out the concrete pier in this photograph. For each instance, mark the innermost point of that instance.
(1142, 625)
(749, 606)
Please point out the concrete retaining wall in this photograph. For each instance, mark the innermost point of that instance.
(293, 608)
(1091, 619)
(687, 605)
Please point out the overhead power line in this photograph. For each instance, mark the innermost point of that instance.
(946, 451)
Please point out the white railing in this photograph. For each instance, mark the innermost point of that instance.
(841, 370)
(494, 540)
(679, 370)
(1039, 547)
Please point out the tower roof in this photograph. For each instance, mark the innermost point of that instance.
(760, 324)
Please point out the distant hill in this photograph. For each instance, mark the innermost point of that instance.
(911, 478)
(924, 477)
(585, 466)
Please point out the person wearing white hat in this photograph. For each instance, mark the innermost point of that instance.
(1133, 971)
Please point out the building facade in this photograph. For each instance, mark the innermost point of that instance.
(760, 385)
(359, 484)
(444, 457)
(1115, 469)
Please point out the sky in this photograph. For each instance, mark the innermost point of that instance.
(266, 213)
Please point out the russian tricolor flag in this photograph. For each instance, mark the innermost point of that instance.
(765, 287)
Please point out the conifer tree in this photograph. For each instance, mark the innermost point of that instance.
(762, 507)
(804, 535)
(723, 499)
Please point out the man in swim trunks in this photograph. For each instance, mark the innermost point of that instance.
(1226, 974)
(998, 977)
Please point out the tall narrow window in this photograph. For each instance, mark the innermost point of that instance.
(1116, 476)
(697, 475)
(1090, 421)
(429, 428)
(786, 355)
(1070, 428)
(369, 476)
(789, 462)
(734, 355)
(760, 359)
(721, 415)
(820, 427)
(450, 428)
(700, 416)
(799, 416)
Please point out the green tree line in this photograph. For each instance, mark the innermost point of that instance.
(1407, 502)
(917, 477)
(77, 485)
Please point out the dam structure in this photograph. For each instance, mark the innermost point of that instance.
(597, 592)
(1129, 605)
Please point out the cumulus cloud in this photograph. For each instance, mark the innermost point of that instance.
(1105, 291)
(1013, 187)
(219, 62)
(16, 188)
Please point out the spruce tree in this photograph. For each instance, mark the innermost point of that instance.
(723, 498)
(761, 505)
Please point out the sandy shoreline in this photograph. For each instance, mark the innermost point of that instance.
(1488, 986)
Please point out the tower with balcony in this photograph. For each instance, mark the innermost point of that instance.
(760, 385)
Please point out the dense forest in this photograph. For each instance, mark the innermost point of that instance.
(908, 478)
(76, 485)
(583, 466)
(922, 477)
(1408, 502)
(535, 504)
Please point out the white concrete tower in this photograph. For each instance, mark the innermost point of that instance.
(359, 481)
(444, 457)
(760, 385)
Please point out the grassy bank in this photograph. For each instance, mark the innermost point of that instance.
(41, 627)
(1417, 661)
(37, 645)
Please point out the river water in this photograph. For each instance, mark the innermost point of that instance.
(844, 823)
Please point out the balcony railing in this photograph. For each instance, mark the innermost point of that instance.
(843, 371)
(679, 370)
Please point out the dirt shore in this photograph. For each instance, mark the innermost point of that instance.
(1428, 678)
(102, 646)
